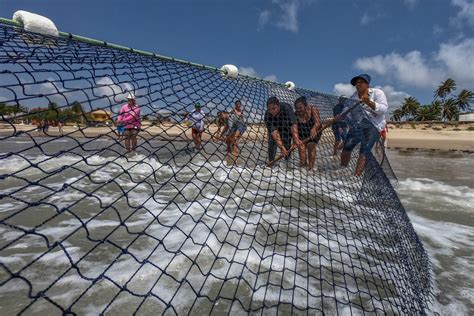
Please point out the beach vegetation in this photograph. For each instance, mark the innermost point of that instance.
(445, 106)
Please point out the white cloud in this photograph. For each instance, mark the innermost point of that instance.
(365, 19)
(369, 18)
(437, 30)
(289, 16)
(271, 78)
(284, 12)
(394, 98)
(455, 60)
(249, 71)
(106, 87)
(263, 19)
(410, 3)
(458, 60)
(466, 13)
(345, 89)
(409, 69)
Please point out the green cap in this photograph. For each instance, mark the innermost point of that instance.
(198, 105)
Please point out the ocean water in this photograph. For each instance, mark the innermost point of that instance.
(437, 190)
(221, 213)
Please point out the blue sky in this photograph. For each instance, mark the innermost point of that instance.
(408, 46)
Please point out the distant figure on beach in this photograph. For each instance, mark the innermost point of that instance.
(309, 131)
(237, 128)
(339, 128)
(222, 124)
(281, 123)
(197, 125)
(45, 126)
(130, 117)
(367, 133)
(60, 128)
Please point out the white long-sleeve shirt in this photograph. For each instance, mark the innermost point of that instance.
(377, 116)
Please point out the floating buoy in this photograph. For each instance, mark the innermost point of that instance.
(290, 85)
(230, 70)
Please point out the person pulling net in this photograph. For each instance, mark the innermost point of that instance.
(88, 229)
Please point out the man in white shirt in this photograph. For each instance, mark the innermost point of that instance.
(367, 133)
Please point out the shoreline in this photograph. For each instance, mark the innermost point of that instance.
(431, 140)
(397, 138)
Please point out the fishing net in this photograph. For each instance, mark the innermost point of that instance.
(88, 229)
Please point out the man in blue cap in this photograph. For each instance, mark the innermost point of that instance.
(367, 133)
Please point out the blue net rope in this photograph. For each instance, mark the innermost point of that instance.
(85, 228)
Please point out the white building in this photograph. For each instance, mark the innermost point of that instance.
(466, 117)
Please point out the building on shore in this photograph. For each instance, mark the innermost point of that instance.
(99, 117)
(466, 117)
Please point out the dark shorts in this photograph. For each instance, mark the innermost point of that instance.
(131, 132)
(366, 134)
(120, 129)
(340, 133)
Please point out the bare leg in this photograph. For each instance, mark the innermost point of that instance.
(127, 141)
(229, 141)
(235, 146)
(197, 139)
(302, 152)
(360, 164)
(311, 155)
(134, 142)
(345, 157)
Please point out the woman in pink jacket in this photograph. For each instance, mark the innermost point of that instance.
(130, 117)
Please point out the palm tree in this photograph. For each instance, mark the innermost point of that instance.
(397, 114)
(410, 107)
(464, 100)
(436, 108)
(450, 110)
(424, 113)
(445, 88)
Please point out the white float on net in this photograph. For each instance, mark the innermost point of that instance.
(33, 22)
(230, 70)
(290, 85)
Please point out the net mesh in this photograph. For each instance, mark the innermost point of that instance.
(87, 229)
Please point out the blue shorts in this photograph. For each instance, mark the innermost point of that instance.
(121, 129)
(366, 134)
(237, 127)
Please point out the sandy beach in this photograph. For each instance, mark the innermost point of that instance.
(425, 136)
(431, 136)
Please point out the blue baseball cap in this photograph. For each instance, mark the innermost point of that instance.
(365, 77)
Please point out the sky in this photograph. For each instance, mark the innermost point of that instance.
(407, 46)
